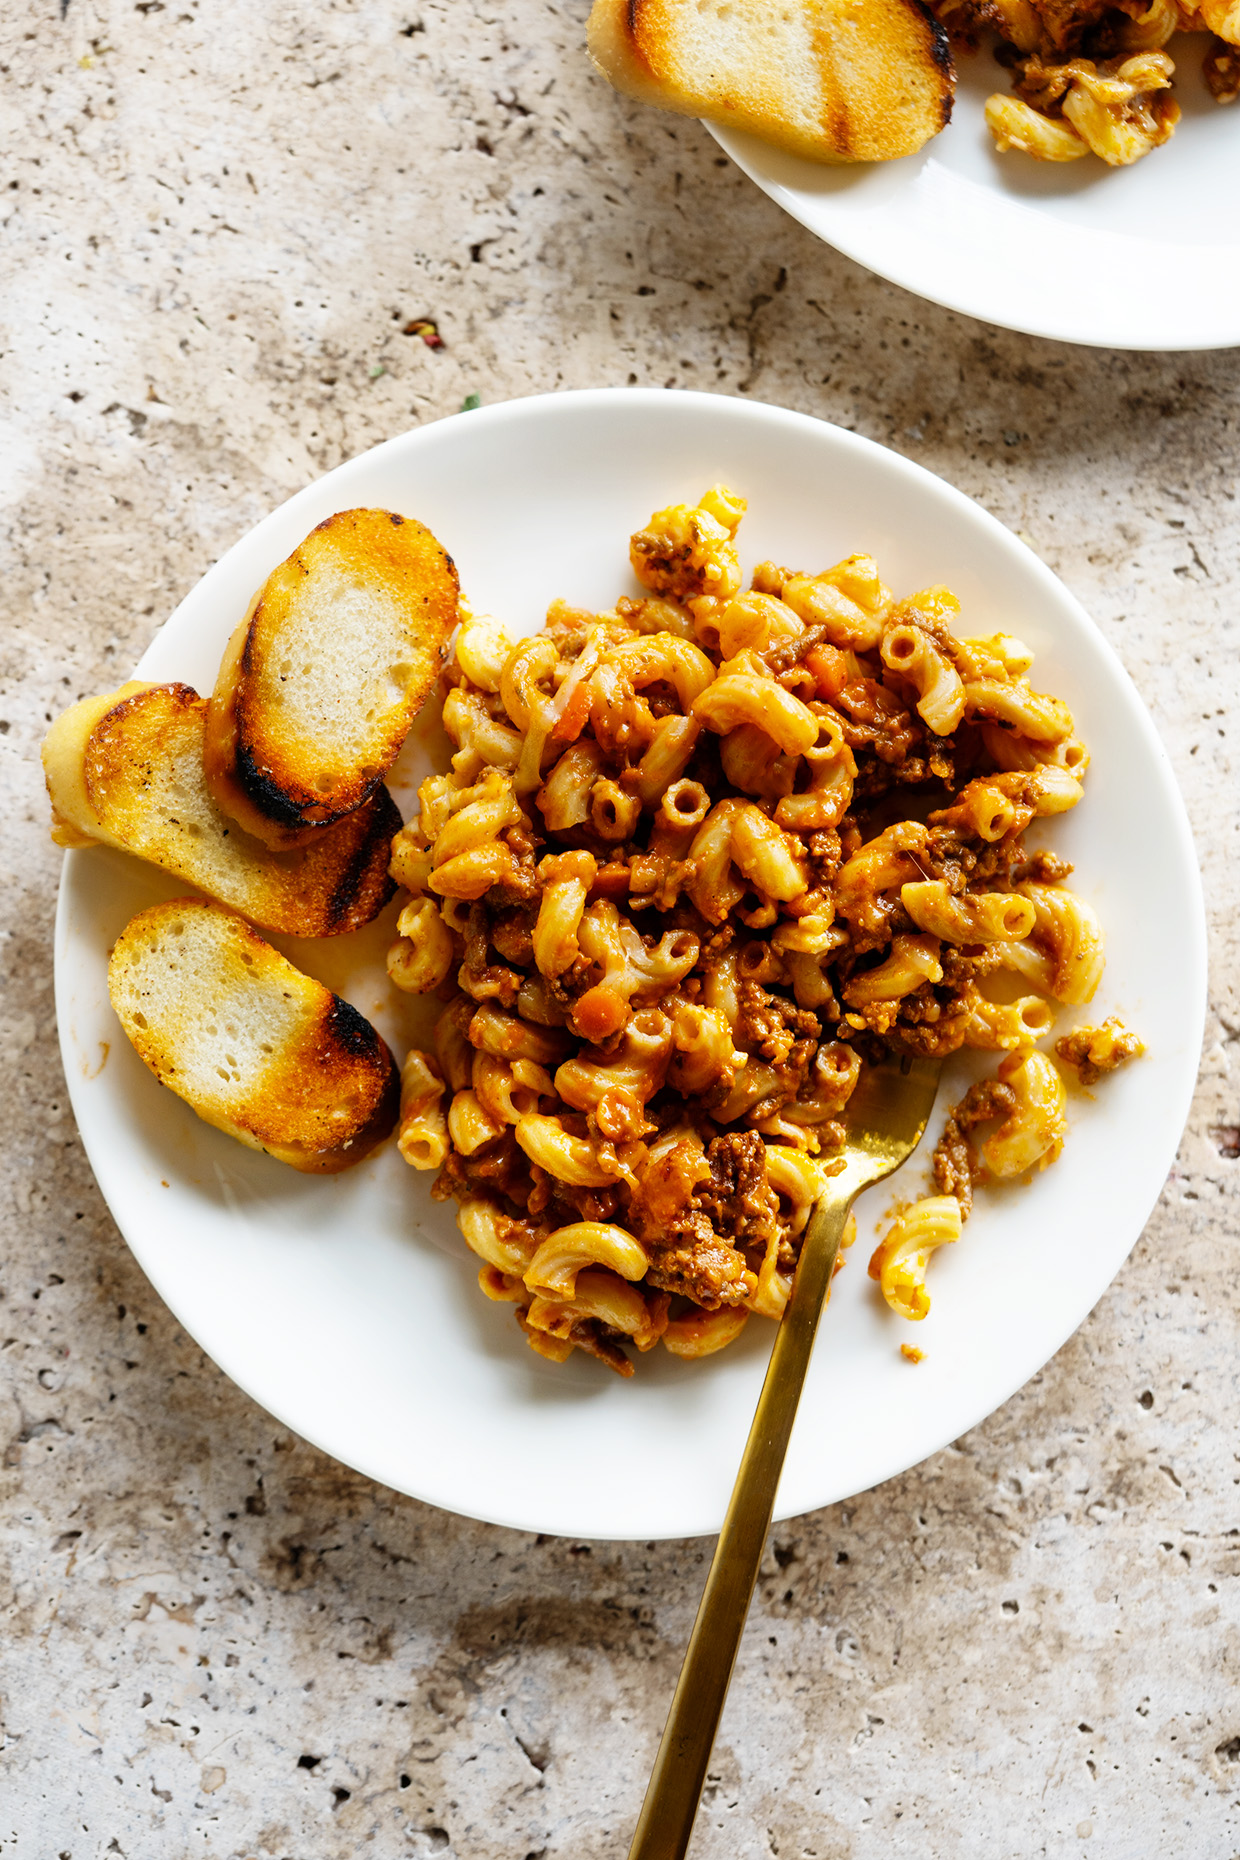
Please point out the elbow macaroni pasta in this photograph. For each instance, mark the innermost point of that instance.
(422, 1137)
(1094, 79)
(668, 930)
(899, 1261)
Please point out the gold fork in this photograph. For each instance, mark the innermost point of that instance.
(886, 1119)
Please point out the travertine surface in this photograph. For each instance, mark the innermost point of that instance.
(217, 219)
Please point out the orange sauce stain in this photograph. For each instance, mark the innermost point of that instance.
(105, 1047)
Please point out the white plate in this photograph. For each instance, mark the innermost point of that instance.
(1146, 257)
(348, 1305)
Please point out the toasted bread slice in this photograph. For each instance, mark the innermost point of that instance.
(833, 80)
(322, 679)
(254, 1046)
(125, 770)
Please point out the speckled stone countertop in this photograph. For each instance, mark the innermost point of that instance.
(218, 219)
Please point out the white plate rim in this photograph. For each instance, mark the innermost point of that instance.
(1057, 280)
(1193, 961)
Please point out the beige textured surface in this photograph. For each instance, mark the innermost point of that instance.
(217, 218)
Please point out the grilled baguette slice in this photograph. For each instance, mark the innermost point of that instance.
(125, 770)
(254, 1046)
(322, 679)
(833, 80)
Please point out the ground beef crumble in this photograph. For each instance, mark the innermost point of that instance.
(737, 1198)
(956, 1165)
(1095, 1051)
(775, 1028)
(699, 1216)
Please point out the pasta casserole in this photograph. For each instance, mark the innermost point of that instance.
(1094, 76)
(696, 860)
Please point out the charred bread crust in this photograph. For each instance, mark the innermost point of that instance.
(944, 58)
(363, 883)
(348, 1044)
(264, 767)
(342, 1058)
(220, 742)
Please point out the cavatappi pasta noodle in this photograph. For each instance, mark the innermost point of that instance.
(695, 860)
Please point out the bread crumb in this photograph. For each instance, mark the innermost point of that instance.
(911, 1353)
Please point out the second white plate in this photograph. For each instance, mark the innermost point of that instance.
(1146, 257)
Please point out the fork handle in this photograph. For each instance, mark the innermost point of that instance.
(675, 1786)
